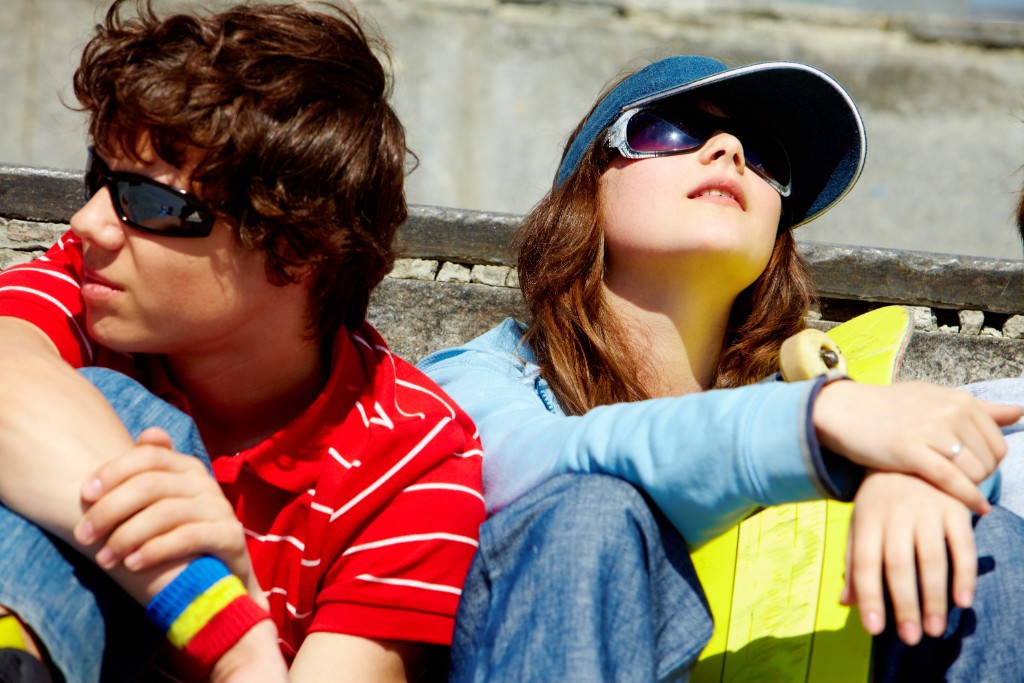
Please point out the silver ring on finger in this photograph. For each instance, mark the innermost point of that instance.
(955, 450)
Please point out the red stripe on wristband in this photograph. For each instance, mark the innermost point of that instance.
(221, 633)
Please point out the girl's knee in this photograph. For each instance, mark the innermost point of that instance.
(590, 495)
(594, 513)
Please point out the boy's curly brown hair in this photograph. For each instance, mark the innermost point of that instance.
(286, 109)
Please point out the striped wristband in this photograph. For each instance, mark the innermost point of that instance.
(204, 611)
(10, 633)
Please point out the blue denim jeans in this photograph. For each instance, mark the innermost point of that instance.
(579, 580)
(582, 580)
(91, 629)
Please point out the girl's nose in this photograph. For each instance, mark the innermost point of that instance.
(724, 145)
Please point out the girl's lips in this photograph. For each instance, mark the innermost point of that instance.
(720, 190)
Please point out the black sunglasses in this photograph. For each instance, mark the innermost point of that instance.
(644, 133)
(148, 205)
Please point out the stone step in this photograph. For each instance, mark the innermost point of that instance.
(455, 280)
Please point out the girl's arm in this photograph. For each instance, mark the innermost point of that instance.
(913, 427)
(707, 460)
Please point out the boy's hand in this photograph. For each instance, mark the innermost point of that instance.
(902, 526)
(947, 437)
(153, 505)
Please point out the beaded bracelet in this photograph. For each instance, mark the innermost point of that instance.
(204, 611)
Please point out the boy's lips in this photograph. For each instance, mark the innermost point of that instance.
(96, 288)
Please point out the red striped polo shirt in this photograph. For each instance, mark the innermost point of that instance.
(361, 515)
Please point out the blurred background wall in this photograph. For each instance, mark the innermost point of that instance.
(489, 89)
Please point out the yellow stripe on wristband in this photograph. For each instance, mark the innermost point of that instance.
(10, 633)
(203, 608)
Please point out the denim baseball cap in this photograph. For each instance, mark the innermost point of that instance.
(812, 115)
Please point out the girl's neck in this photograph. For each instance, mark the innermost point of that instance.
(679, 337)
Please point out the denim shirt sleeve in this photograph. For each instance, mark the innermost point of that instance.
(707, 460)
(1006, 390)
(840, 476)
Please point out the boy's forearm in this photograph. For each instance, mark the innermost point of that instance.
(55, 430)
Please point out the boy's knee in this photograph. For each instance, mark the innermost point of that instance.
(110, 382)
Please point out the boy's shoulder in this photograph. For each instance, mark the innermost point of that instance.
(393, 374)
(400, 404)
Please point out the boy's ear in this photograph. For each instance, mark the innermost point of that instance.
(299, 274)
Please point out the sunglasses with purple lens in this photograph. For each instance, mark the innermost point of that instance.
(645, 133)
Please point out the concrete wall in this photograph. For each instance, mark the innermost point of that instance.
(489, 89)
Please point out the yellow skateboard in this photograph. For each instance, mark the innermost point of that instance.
(773, 581)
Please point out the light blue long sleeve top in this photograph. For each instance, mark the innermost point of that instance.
(707, 460)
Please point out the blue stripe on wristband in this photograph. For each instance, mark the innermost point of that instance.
(167, 605)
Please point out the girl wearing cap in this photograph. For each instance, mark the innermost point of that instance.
(662, 277)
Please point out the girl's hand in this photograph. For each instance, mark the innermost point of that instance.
(153, 505)
(946, 437)
(903, 526)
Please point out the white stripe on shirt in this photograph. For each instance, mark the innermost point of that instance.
(448, 487)
(391, 472)
(411, 584)
(411, 538)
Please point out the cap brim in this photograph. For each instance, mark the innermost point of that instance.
(813, 116)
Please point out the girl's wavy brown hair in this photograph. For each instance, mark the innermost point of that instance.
(286, 108)
(584, 351)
